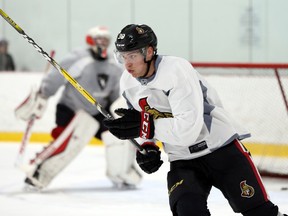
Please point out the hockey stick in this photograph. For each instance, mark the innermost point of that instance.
(52, 54)
(66, 75)
(28, 131)
(25, 139)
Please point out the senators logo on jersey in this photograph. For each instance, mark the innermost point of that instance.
(247, 190)
(152, 111)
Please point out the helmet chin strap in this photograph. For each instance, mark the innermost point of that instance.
(148, 64)
(148, 67)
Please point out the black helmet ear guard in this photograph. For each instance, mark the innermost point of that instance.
(133, 37)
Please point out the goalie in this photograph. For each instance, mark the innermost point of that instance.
(77, 120)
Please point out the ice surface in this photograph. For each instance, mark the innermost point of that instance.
(83, 189)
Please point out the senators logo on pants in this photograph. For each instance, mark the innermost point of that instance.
(247, 190)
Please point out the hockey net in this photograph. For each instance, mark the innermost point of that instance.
(256, 95)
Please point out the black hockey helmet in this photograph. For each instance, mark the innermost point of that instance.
(133, 37)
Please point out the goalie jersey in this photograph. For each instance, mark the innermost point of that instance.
(175, 95)
(99, 77)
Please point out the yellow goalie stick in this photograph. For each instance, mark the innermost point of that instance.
(66, 75)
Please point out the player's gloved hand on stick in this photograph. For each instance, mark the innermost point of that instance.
(131, 124)
(151, 161)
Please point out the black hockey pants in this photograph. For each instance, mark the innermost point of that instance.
(231, 170)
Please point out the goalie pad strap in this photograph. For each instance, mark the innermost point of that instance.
(57, 131)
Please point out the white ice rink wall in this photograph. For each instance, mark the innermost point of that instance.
(249, 112)
(198, 30)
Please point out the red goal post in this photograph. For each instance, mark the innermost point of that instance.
(256, 95)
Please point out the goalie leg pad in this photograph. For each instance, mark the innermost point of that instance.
(65, 148)
(119, 103)
(120, 161)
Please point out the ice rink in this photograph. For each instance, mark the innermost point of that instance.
(83, 189)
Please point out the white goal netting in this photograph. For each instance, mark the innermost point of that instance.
(256, 95)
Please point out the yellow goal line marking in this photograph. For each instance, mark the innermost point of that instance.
(257, 149)
(35, 138)
(267, 149)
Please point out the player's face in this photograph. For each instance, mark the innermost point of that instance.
(134, 62)
(100, 46)
(102, 42)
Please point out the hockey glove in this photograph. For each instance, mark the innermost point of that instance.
(34, 105)
(131, 124)
(151, 161)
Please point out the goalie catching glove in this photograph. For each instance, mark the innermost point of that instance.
(151, 161)
(33, 106)
(132, 124)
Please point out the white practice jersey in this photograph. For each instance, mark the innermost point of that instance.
(99, 77)
(188, 115)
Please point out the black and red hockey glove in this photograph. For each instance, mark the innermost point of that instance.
(132, 124)
(151, 161)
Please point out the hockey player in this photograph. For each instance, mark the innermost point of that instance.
(77, 120)
(171, 102)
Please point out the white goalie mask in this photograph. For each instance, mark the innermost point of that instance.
(98, 38)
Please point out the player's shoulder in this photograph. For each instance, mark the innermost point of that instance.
(175, 61)
(172, 66)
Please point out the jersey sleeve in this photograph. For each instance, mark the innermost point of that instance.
(186, 101)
